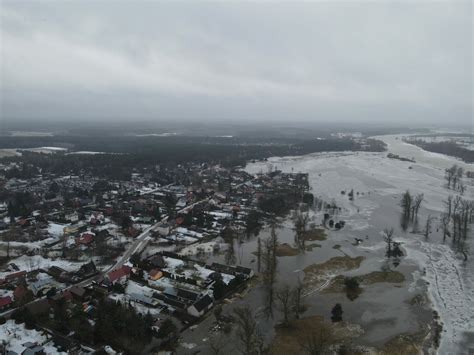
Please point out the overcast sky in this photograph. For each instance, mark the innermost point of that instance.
(322, 61)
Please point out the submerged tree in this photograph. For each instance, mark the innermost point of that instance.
(247, 332)
(297, 296)
(270, 267)
(283, 296)
(300, 221)
(428, 226)
(388, 237)
(416, 206)
(259, 254)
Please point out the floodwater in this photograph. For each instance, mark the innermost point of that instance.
(382, 310)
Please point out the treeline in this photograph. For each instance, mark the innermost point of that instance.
(115, 324)
(141, 152)
(447, 148)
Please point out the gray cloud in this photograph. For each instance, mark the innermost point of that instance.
(367, 61)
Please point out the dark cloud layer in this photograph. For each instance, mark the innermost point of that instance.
(321, 61)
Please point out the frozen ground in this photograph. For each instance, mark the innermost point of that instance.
(380, 182)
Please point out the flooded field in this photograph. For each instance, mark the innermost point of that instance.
(430, 275)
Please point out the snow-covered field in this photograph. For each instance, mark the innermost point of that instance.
(15, 335)
(30, 263)
(380, 182)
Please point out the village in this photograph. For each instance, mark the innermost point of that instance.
(76, 249)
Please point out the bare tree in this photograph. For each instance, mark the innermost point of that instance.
(445, 225)
(283, 296)
(247, 331)
(406, 203)
(300, 221)
(259, 254)
(449, 175)
(416, 205)
(316, 341)
(270, 266)
(428, 226)
(449, 205)
(297, 296)
(388, 239)
(9, 236)
(457, 203)
(216, 344)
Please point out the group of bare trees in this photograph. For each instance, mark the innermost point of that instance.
(453, 177)
(456, 220)
(410, 207)
(289, 301)
(250, 339)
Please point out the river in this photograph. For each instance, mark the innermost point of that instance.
(429, 266)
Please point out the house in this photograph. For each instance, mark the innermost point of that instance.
(201, 306)
(77, 292)
(32, 349)
(72, 217)
(87, 270)
(58, 273)
(132, 232)
(5, 302)
(119, 275)
(143, 299)
(41, 285)
(14, 277)
(248, 272)
(40, 306)
(19, 292)
(155, 274)
(163, 229)
(24, 223)
(157, 261)
(85, 238)
(71, 229)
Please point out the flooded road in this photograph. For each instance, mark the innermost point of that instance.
(383, 310)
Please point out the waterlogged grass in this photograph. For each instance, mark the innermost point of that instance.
(291, 339)
(406, 344)
(318, 234)
(337, 283)
(286, 249)
(318, 274)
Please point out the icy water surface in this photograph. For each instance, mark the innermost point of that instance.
(382, 310)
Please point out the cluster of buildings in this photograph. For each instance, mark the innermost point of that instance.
(79, 238)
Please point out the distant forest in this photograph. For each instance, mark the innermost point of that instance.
(446, 147)
(141, 152)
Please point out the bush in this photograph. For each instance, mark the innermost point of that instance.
(337, 313)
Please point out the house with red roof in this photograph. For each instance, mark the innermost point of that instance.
(5, 302)
(19, 292)
(119, 275)
(85, 238)
(13, 277)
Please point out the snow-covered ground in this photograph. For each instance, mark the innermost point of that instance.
(15, 335)
(30, 263)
